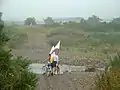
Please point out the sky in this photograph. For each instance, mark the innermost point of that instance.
(21, 9)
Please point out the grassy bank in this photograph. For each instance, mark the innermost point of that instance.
(77, 45)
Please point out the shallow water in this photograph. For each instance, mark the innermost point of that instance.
(37, 68)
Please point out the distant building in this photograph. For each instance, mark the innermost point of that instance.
(68, 19)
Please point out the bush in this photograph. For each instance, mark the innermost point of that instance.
(110, 79)
(115, 62)
(15, 74)
(17, 39)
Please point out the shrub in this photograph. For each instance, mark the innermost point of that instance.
(16, 38)
(115, 62)
(14, 73)
(110, 79)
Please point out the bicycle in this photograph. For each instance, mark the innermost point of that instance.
(48, 70)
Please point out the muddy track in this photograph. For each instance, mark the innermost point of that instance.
(65, 82)
(56, 83)
(42, 83)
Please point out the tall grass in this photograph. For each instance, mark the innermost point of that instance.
(110, 79)
(111, 38)
(16, 38)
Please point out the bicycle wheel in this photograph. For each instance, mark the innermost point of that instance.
(44, 69)
(48, 72)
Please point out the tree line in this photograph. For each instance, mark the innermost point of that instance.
(92, 21)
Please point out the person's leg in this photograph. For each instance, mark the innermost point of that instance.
(57, 59)
(54, 67)
(50, 67)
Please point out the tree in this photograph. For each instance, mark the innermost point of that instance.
(3, 37)
(30, 21)
(49, 21)
(14, 72)
(116, 20)
(93, 21)
(82, 21)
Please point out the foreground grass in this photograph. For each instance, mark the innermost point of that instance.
(110, 79)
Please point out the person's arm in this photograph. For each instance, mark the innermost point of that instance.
(49, 58)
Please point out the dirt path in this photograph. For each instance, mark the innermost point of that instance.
(73, 81)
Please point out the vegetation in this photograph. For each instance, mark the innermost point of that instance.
(49, 21)
(92, 39)
(91, 30)
(93, 36)
(110, 79)
(14, 72)
(17, 39)
(30, 21)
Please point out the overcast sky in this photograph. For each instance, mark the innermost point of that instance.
(20, 9)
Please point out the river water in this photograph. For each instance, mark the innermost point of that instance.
(37, 68)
